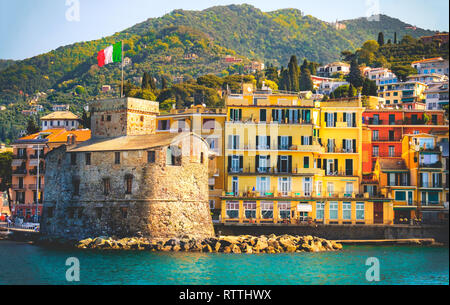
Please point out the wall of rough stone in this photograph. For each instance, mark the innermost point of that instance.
(128, 116)
(166, 201)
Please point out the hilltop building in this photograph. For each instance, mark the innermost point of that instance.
(431, 65)
(60, 119)
(333, 68)
(128, 180)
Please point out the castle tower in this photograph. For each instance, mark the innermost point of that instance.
(123, 117)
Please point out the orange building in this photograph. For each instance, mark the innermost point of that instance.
(388, 126)
(28, 163)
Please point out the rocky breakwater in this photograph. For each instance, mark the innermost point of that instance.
(223, 244)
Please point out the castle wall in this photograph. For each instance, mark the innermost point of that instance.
(166, 201)
(121, 117)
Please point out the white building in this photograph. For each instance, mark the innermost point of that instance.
(432, 65)
(60, 119)
(333, 68)
(60, 107)
(381, 76)
(325, 85)
(428, 78)
(436, 96)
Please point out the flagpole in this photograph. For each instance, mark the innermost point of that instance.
(121, 90)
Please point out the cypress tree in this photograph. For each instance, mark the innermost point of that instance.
(145, 81)
(293, 74)
(395, 38)
(355, 77)
(32, 127)
(285, 82)
(306, 83)
(380, 39)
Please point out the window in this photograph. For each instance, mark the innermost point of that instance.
(391, 151)
(124, 212)
(375, 151)
(151, 156)
(262, 142)
(346, 211)
(307, 186)
(348, 189)
(235, 186)
(235, 163)
(209, 124)
(250, 209)
(235, 115)
(73, 159)
(76, 186)
(306, 140)
(106, 186)
(267, 210)
(284, 185)
(202, 158)
(212, 204)
(330, 188)
(334, 206)
(232, 209)
(284, 142)
(284, 209)
(262, 164)
(233, 142)
(306, 162)
(128, 184)
(117, 158)
(400, 196)
(263, 185)
(375, 135)
(88, 158)
(108, 118)
(360, 211)
(319, 188)
(320, 208)
(163, 125)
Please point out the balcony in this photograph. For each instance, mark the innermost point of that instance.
(339, 150)
(430, 185)
(22, 171)
(34, 186)
(18, 187)
(33, 171)
(386, 139)
(20, 157)
(431, 165)
(249, 171)
(339, 174)
(35, 156)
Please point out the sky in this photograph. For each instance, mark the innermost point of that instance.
(33, 27)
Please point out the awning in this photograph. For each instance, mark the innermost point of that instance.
(304, 208)
(33, 162)
(16, 162)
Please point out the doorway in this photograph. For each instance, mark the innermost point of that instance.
(378, 213)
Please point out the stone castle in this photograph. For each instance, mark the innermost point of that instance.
(127, 180)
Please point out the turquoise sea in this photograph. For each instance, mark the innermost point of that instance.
(30, 264)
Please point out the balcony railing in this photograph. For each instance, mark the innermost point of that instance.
(430, 185)
(386, 139)
(33, 171)
(20, 171)
(18, 187)
(431, 165)
(274, 171)
(20, 157)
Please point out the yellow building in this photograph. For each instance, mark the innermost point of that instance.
(209, 123)
(289, 159)
(402, 93)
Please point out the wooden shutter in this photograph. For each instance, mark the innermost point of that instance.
(256, 163)
(290, 164)
(241, 162)
(336, 165)
(229, 163)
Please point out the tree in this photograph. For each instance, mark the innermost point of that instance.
(380, 39)
(293, 74)
(272, 74)
(403, 71)
(355, 77)
(86, 120)
(306, 83)
(163, 82)
(351, 91)
(32, 127)
(5, 174)
(395, 38)
(285, 82)
(145, 81)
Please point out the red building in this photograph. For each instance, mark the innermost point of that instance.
(388, 126)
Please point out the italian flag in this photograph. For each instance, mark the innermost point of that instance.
(110, 54)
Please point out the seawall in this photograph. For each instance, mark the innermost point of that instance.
(341, 232)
